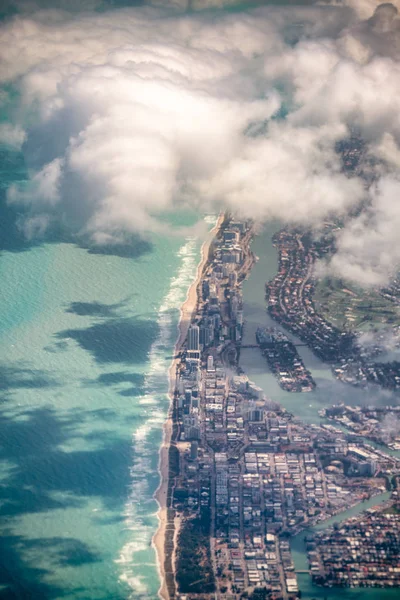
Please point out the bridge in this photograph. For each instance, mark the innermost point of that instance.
(244, 346)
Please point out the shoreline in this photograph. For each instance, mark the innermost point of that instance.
(186, 311)
(196, 561)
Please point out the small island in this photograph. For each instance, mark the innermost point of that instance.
(284, 360)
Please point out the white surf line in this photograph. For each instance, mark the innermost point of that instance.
(156, 400)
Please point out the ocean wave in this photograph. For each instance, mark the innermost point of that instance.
(139, 509)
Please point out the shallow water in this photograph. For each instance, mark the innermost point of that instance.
(86, 344)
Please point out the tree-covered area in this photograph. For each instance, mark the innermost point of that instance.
(259, 594)
(194, 573)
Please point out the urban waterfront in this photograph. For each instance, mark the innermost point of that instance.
(328, 390)
(77, 538)
(310, 591)
(305, 406)
(244, 474)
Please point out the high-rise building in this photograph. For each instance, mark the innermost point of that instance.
(216, 320)
(231, 236)
(202, 334)
(194, 432)
(205, 289)
(187, 402)
(232, 279)
(256, 415)
(206, 334)
(193, 338)
(194, 449)
(209, 337)
(234, 306)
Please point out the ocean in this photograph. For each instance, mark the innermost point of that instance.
(86, 342)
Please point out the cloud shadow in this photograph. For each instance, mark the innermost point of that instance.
(93, 309)
(119, 340)
(15, 378)
(41, 477)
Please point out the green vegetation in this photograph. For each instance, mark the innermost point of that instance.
(173, 470)
(350, 307)
(169, 549)
(173, 461)
(260, 594)
(194, 573)
(393, 510)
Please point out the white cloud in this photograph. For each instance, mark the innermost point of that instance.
(368, 247)
(43, 188)
(12, 136)
(140, 110)
(291, 174)
(144, 119)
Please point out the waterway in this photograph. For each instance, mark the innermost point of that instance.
(304, 405)
(310, 591)
(328, 390)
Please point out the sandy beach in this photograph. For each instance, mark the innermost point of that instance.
(186, 312)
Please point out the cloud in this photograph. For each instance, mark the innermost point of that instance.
(140, 111)
(137, 122)
(368, 249)
(11, 136)
(33, 6)
(365, 8)
(380, 34)
(293, 175)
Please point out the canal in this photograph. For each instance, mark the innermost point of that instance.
(304, 405)
(299, 554)
(328, 390)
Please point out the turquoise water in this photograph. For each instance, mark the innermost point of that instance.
(86, 343)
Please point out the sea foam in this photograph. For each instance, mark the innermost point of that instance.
(139, 518)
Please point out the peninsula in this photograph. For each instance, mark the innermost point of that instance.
(240, 474)
(290, 302)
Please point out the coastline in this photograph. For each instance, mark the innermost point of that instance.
(186, 311)
(195, 559)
